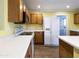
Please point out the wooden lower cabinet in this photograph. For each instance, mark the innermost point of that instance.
(39, 38)
(65, 50)
(29, 52)
(74, 33)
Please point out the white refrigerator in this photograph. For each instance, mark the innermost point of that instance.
(51, 30)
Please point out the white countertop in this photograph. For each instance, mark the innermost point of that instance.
(14, 47)
(71, 40)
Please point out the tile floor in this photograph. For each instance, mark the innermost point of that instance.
(42, 51)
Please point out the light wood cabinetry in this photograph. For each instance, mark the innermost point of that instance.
(65, 50)
(15, 11)
(76, 18)
(39, 38)
(36, 18)
(74, 33)
(39, 19)
(32, 19)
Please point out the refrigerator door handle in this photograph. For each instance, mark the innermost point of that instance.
(47, 29)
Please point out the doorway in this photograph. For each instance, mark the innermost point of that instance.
(62, 25)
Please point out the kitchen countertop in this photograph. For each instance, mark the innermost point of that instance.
(71, 40)
(14, 47)
(34, 27)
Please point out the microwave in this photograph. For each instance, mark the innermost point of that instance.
(24, 20)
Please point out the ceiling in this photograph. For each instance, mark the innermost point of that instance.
(52, 5)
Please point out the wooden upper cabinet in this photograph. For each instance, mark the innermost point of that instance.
(15, 10)
(36, 18)
(76, 18)
(32, 18)
(39, 19)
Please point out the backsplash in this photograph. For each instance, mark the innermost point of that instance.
(34, 27)
(18, 28)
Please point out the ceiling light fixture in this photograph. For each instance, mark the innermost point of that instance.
(67, 6)
(38, 6)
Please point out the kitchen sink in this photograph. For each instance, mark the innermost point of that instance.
(26, 33)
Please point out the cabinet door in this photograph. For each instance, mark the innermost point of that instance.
(76, 18)
(65, 50)
(74, 33)
(14, 11)
(39, 38)
(36, 18)
(39, 19)
(32, 18)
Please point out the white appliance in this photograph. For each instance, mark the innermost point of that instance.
(51, 30)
